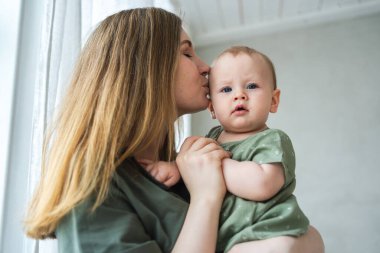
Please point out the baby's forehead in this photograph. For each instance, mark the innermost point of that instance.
(261, 67)
(225, 60)
(226, 57)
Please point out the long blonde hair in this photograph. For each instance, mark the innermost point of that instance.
(120, 99)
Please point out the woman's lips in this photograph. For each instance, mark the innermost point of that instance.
(207, 89)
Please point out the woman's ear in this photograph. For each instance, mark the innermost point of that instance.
(211, 109)
(275, 100)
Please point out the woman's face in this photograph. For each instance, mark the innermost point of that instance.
(191, 79)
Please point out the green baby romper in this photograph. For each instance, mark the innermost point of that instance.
(244, 220)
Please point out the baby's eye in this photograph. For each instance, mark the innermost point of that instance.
(252, 86)
(226, 89)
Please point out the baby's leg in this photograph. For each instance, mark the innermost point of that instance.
(311, 242)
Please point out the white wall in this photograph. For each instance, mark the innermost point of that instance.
(330, 106)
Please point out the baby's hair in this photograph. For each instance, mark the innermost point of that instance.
(235, 50)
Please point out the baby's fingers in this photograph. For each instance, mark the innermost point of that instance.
(144, 162)
(172, 180)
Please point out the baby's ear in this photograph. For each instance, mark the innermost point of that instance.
(211, 109)
(275, 100)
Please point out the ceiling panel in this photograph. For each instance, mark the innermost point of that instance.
(210, 15)
(188, 11)
(308, 6)
(290, 8)
(343, 2)
(251, 10)
(270, 10)
(213, 21)
(229, 12)
(327, 4)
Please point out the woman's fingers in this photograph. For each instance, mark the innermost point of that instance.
(188, 142)
(201, 143)
(195, 143)
(200, 164)
(212, 146)
(221, 154)
(201, 149)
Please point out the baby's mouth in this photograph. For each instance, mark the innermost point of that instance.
(239, 108)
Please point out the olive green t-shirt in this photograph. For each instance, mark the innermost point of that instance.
(139, 215)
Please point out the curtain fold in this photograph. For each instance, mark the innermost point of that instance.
(60, 45)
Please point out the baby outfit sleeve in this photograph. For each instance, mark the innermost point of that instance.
(275, 146)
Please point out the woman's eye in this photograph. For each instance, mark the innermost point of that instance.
(188, 55)
(252, 86)
(226, 89)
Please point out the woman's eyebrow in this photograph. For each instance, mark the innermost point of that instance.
(187, 42)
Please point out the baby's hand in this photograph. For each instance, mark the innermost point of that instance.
(164, 172)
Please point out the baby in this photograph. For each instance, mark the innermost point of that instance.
(260, 175)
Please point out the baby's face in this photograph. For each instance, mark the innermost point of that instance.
(241, 89)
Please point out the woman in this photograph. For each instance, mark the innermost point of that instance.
(136, 75)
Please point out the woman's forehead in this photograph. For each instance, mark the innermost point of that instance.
(185, 38)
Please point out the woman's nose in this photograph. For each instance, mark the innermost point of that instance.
(204, 69)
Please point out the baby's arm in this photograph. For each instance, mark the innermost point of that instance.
(164, 172)
(253, 181)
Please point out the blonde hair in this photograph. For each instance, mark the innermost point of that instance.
(235, 50)
(120, 99)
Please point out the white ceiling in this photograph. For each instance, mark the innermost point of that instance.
(213, 21)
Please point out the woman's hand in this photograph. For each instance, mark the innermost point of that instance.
(200, 164)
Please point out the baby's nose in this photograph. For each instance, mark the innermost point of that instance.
(240, 96)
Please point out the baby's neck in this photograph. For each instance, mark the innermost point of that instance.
(229, 136)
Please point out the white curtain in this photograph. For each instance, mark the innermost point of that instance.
(66, 26)
(62, 33)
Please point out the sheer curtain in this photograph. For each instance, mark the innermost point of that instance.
(61, 37)
(65, 28)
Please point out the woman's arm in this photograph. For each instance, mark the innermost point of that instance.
(249, 180)
(200, 165)
(199, 231)
(311, 242)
